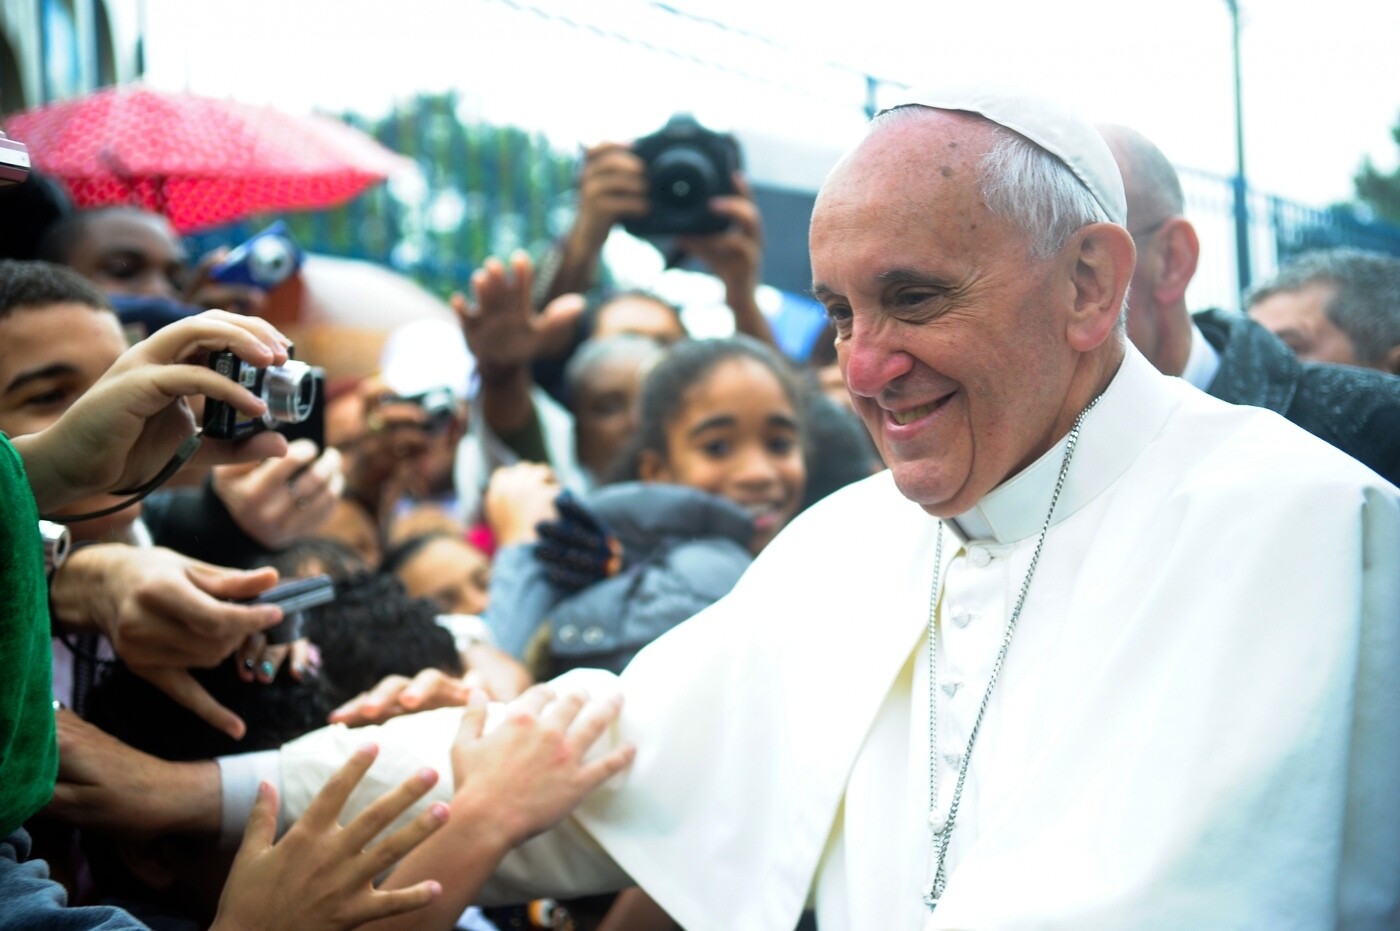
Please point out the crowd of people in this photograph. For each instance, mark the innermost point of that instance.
(803, 576)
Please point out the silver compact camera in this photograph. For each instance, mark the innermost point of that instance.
(289, 390)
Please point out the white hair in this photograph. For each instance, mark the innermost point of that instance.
(1023, 183)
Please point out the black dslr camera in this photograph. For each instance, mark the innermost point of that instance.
(687, 165)
(290, 392)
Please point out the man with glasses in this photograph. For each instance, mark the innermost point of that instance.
(1229, 355)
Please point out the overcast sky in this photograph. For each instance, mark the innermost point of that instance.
(1320, 79)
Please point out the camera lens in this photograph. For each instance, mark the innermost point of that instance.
(682, 180)
(289, 390)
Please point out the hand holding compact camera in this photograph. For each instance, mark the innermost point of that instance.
(293, 393)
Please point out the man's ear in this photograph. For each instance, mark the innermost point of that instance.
(1103, 265)
(652, 467)
(1179, 250)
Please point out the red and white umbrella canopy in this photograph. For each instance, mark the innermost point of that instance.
(200, 161)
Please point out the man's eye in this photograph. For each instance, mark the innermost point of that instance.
(49, 398)
(123, 268)
(839, 316)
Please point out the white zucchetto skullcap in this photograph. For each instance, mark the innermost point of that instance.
(1069, 138)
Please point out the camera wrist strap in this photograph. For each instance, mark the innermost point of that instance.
(182, 455)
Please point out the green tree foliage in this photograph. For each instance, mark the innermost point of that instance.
(481, 190)
(1378, 189)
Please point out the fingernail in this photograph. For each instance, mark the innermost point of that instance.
(368, 750)
(439, 811)
(434, 888)
(266, 669)
(248, 665)
(429, 776)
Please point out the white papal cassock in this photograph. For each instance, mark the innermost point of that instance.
(1197, 726)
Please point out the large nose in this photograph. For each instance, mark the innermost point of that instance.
(871, 360)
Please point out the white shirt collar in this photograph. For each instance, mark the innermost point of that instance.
(1130, 413)
(1202, 363)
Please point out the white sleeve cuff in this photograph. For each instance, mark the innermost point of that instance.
(239, 776)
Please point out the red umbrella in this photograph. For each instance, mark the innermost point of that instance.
(198, 160)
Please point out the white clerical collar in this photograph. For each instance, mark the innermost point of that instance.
(1202, 363)
(1127, 417)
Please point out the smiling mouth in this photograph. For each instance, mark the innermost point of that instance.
(764, 513)
(914, 413)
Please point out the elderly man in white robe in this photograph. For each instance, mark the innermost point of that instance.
(1096, 652)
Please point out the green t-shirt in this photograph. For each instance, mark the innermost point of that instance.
(28, 745)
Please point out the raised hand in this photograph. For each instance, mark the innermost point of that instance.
(320, 876)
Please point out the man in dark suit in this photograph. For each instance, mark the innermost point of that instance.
(1229, 355)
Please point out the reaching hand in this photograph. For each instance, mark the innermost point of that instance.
(320, 876)
(499, 324)
(518, 497)
(164, 613)
(396, 695)
(531, 771)
(281, 500)
(501, 327)
(124, 430)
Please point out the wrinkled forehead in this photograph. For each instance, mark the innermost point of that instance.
(908, 171)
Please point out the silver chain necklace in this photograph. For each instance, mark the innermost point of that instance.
(943, 834)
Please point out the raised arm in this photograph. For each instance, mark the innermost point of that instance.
(612, 187)
(735, 256)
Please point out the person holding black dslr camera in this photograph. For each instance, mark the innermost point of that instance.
(681, 186)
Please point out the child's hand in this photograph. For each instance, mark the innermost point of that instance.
(577, 549)
(517, 498)
(320, 875)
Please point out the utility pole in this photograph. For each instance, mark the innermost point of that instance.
(1241, 188)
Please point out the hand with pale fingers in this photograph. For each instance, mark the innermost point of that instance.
(735, 253)
(281, 500)
(499, 321)
(124, 430)
(396, 695)
(320, 875)
(612, 187)
(164, 613)
(533, 768)
(494, 671)
(519, 497)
